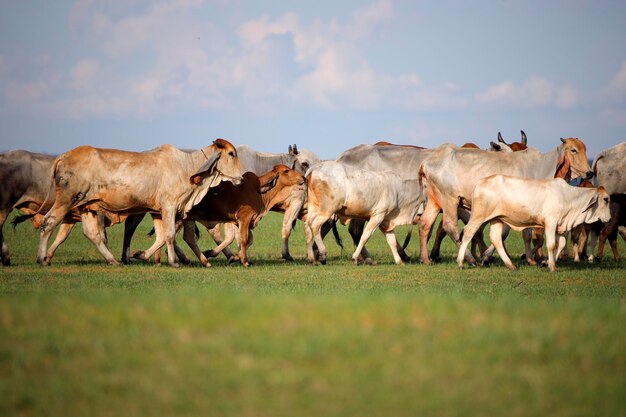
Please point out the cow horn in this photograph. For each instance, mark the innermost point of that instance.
(290, 149)
(295, 149)
(524, 139)
(500, 137)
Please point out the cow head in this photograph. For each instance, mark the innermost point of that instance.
(222, 164)
(304, 159)
(598, 207)
(280, 176)
(573, 161)
(280, 184)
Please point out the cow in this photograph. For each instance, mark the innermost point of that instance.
(24, 183)
(610, 230)
(449, 175)
(403, 160)
(500, 146)
(258, 163)
(244, 204)
(165, 180)
(384, 199)
(520, 203)
(609, 167)
(300, 160)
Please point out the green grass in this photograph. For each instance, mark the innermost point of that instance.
(82, 338)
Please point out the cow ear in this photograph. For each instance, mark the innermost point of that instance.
(269, 185)
(206, 169)
(495, 146)
(293, 166)
(562, 167)
(594, 200)
(562, 140)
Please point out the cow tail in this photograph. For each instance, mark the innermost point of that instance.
(421, 173)
(336, 235)
(53, 174)
(407, 239)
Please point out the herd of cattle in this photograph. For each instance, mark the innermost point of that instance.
(509, 186)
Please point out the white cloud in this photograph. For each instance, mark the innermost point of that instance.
(619, 80)
(84, 73)
(154, 56)
(534, 92)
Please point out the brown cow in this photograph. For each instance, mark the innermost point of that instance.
(244, 204)
(165, 180)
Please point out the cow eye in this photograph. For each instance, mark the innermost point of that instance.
(574, 151)
(305, 165)
(606, 200)
(232, 154)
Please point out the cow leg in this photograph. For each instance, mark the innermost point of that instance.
(355, 228)
(593, 241)
(604, 234)
(313, 226)
(369, 228)
(393, 245)
(130, 226)
(230, 230)
(564, 253)
(189, 236)
(561, 245)
(5, 257)
(155, 249)
(440, 234)
(289, 218)
(62, 234)
(550, 236)
(425, 224)
(50, 221)
(93, 230)
(169, 227)
(450, 226)
(244, 240)
(495, 234)
(469, 231)
(613, 242)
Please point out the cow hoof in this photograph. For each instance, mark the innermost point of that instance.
(175, 265)
(206, 265)
(6, 262)
(370, 262)
(435, 259)
(43, 261)
(288, 258)
(112, 262)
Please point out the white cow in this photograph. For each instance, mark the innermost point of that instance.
(521, 203)
(383, 198)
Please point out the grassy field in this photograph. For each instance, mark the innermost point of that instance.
(83, 339)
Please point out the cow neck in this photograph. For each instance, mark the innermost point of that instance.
(267, 198)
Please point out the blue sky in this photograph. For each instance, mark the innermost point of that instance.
(326, 75)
